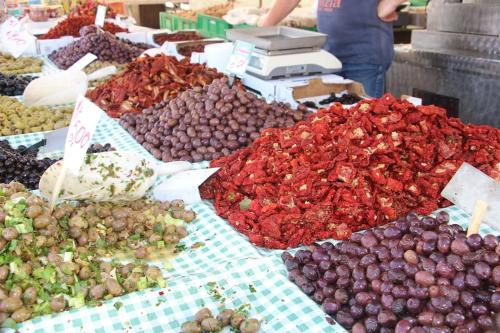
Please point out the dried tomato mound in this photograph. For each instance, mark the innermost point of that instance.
(150, 80)
(72, 24)
(341, 171)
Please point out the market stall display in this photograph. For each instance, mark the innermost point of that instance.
(147, 81)
(13, 85)
(102, 44)
(97, 65)
(204, 124)
(15, 118)
(55, 261)
(21, 65)
(72, 24)
(344, 170)
(415, 273)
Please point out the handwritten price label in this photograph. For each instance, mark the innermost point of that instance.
(80, 132)
(15, 39)
(100, 15)
(240, 58)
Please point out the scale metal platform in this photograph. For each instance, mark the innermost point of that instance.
(285, 52)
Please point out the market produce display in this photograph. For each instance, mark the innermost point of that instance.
(54, 261)
(418, 274)
(178, 36)
(15, 118)
(19, 165)
(21, 65)
(13, 85)
(206, 123)
(343, 99)
(89, 8)
(72, 24)
(204, 321)
(345, 170)
(102, 44)
(150, 80)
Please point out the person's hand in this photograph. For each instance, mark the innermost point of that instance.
(386, 10)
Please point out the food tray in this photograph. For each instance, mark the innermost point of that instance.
(278, 38)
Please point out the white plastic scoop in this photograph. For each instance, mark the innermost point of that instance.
(109, 176)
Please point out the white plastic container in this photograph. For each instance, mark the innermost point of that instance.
(217, 55)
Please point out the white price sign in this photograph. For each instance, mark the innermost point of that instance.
(15, 39)
(100, 16)
(240, 58)
(80, 132)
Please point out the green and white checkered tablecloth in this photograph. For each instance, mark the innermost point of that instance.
(224, 270)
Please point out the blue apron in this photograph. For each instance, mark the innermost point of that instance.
(355, 33)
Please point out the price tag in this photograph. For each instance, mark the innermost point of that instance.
(169, 4)
(80, 132)
(185, 6)
(240, 58)
(83, 62)
(15, 39)
(100, 16)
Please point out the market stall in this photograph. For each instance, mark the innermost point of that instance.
(197, 180)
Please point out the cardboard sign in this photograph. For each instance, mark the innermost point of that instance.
(239, 59)
(100, 15)
(15, 39)
(80, 132)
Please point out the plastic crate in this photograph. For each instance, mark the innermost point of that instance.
(175, 23)
(167, 21)
(210, 26)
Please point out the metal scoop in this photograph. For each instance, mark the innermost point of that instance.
(109, 176)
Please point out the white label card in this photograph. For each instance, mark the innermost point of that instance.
(183, 186)
(15, 39)
(169, 4)
(185, 6)
(83, 62)
(240, 58)
(80, 132)
(100, 16)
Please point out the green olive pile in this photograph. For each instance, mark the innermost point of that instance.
(50, 262)
(204, 321)
(21, 65)
(98, 64)
(15, 118)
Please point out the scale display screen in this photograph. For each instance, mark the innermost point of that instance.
(255, 62)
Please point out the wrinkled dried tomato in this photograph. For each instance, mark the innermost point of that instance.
(150, 80)
(341, 171)
(72, 24)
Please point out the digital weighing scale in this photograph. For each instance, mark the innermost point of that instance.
(282, 52)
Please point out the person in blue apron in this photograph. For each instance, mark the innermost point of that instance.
(359, 33)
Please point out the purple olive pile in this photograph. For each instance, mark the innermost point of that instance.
(416, 275)
(20, 165)
(100, 43)
(204, 124)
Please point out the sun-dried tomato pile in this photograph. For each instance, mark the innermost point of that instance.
(341, 171)
(72, 24)
(150, 80)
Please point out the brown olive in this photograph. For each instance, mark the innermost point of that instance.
(211, 325)
(3, 294)
(42, 221)
(250, 326)
(154, 273)
(29, 295)
(97, 292)
(106, 266)
(113, 287)
(21, 314)
(189, 216)
(202, 314)
(10, 233)
(3, 242)
(225, 316)
(34, 211)
(16, 292)
(58, 304)
(236, 320)
(191, 327)
(141, 253)
(4, 272)
(10, 304)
